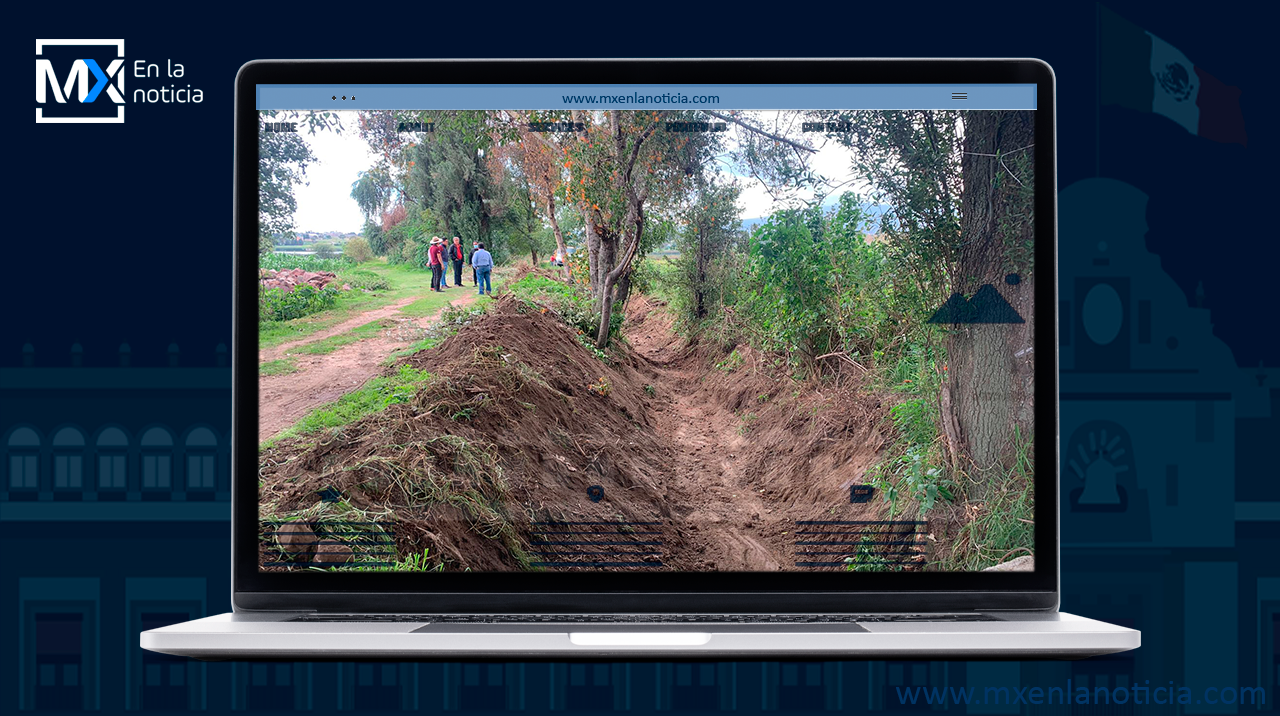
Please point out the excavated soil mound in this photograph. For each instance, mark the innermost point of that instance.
(523, 443)
(526, 450)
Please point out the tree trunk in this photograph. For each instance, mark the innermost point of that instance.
(990, 364)
(700, 277)
(555, 228)
(593, 252)
(635, 220)
(622, 290)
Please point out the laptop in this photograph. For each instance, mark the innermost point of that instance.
(646, 358)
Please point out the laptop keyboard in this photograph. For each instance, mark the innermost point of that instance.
(645, 618)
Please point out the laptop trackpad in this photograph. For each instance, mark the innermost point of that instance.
(639, 638)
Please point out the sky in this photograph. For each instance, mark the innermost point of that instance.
(325, 203)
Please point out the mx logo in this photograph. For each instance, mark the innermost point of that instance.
(87, 82)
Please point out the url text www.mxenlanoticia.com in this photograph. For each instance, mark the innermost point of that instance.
(1134, 693)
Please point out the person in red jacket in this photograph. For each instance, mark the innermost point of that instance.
(435, 260)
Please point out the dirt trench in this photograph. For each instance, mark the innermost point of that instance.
(744, 471)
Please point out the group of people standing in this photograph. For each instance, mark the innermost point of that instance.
(441, 254)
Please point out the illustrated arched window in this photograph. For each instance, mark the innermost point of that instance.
(24, 459)
(68, 459)
(202, 460)
(157, 459)
(113, 459)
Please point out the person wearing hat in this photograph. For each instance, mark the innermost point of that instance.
(444, 263)
(435, 260)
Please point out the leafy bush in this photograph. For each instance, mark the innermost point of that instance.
(793, 266)
(914, 473)
(357, 250)
(570, 301)
(275, 304)
(868, 559)
(360, 278)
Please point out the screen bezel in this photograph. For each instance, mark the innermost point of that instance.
(651, 591)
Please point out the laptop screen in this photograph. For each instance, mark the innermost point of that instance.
(641, 328)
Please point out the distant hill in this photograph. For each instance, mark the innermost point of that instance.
(873, 211)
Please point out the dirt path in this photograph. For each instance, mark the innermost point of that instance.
(725, 520)
(388, 311)
(323, 378)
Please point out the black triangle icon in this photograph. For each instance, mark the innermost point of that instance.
(986, 306)
(955, 310)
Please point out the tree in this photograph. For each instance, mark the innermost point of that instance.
(961, 219)
(357, 249)
(515, 209)
(709, 233)
(990, 373)
(283, 158)
(324, 250)
(373, 192)
(537, 157)
(624, 167)
(443, 170)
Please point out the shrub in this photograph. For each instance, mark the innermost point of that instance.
(325, 250)
(368, 280)
(570, 301)
(276, 304)
(358, 250)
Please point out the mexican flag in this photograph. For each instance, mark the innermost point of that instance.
(1140, 71)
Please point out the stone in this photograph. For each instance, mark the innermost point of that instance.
(332, 553)
(295, 537)
(1025, 563)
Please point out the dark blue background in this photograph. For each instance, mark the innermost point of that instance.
(122, 234)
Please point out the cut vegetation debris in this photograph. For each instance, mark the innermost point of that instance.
(472, 452)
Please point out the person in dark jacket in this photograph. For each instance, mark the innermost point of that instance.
(455, 255)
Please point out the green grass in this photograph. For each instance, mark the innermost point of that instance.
(274, 333)
(665, 282)
(450, 321)
(372, 397)
(411, 563)
(866, 558)
(333, 343)
(1005, 526)
(282, 366)
(306, 263)
(430, 304)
